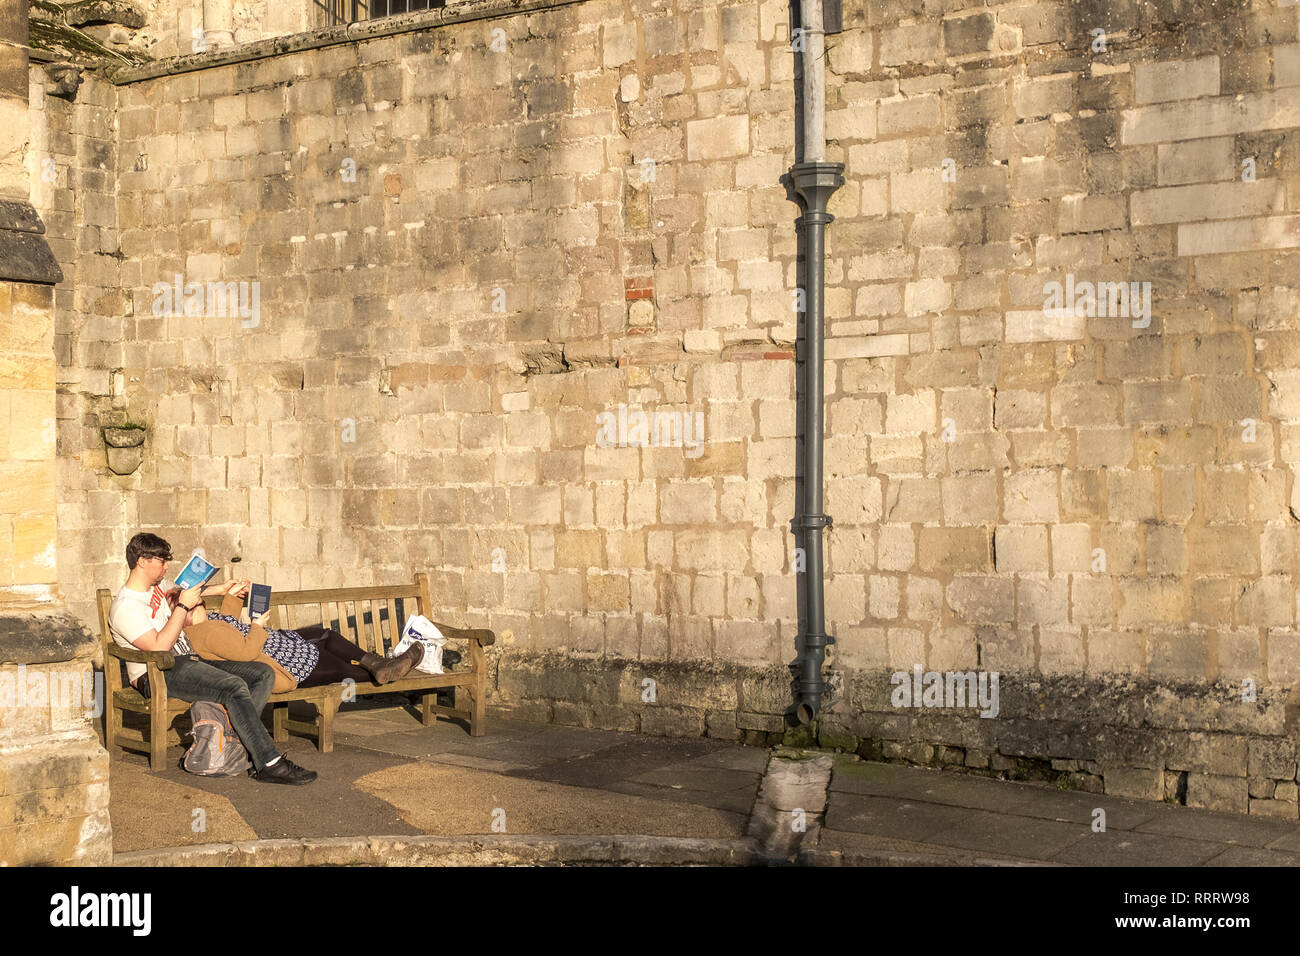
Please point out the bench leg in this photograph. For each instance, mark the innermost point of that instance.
(279, 713)
(326, 710)
(427, 700)
(478, 693)
(158, 734)
(112, 721)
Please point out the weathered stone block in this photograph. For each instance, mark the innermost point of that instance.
(1213, 792)
(1141, 784)
(1271, 757)
(673, 721)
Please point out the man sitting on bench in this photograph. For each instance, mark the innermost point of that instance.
(142, 617)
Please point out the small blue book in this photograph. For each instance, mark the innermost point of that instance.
(259, 599)
(197, 571)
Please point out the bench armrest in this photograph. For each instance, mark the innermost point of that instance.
(480, 634)
(163, 659)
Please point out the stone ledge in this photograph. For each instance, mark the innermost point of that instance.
(331, 36)
(18, 216)
(25, 254)
(44, 637)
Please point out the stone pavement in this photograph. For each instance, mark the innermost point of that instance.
(389, 776)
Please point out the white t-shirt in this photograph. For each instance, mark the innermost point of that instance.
(134, 612)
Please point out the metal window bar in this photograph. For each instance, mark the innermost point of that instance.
(331, 13)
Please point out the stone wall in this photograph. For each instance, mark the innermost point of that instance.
(177, 27)
(465, 255)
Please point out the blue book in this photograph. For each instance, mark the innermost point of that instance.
(197, 571)
(259, 599)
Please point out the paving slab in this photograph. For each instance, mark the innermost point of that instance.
(998, 833)
(883, 779)
(476, 763)
(1218, 827)
(329, 807)
(699, 778)
(630, 756)
(986, 793)
(332, 806)
(518, 749)
(871, 849)
(151, 810)
(439, 799)
(916, 821)
(1253, 856)
(1124, 848)
(733, 801)
(1073, 806)
(971, 792)
(751, 759)
(1288, 842)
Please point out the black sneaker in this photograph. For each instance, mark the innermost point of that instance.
(284, 770)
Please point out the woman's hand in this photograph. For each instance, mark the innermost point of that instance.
(263, 620)
(238, 588)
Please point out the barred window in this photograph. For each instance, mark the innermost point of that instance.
(330, 13)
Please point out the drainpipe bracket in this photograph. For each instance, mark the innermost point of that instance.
(815, 641)
(809, 522)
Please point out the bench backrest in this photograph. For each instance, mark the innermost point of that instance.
(114, 679)
(372, 617)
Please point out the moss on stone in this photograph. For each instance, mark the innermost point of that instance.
(835, 739)
(801, 735)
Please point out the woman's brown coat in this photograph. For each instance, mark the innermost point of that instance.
(219, 641)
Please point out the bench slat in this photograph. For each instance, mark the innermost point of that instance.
(358, 618)
(376, 627)
(279, 598)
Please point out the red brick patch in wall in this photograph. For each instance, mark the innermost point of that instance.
(639, 288)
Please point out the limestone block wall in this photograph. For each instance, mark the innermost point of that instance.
(179, 28)
(465, 256)
(182, 27)
(73, 162)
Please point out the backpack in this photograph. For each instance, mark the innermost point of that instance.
(216, 750)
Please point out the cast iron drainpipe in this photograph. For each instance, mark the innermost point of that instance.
(815, 180)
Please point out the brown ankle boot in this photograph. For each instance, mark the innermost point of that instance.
(385, 670)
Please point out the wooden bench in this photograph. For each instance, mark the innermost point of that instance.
(370, 617)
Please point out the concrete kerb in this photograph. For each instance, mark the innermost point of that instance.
(493, 850)
(485, 850)
(820, 856)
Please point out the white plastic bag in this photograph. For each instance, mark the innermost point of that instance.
(420, 628)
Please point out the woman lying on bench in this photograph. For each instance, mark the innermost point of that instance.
(301, 657)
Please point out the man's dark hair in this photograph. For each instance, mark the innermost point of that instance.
(146, 545)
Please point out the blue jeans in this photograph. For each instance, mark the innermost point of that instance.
(242, 687)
